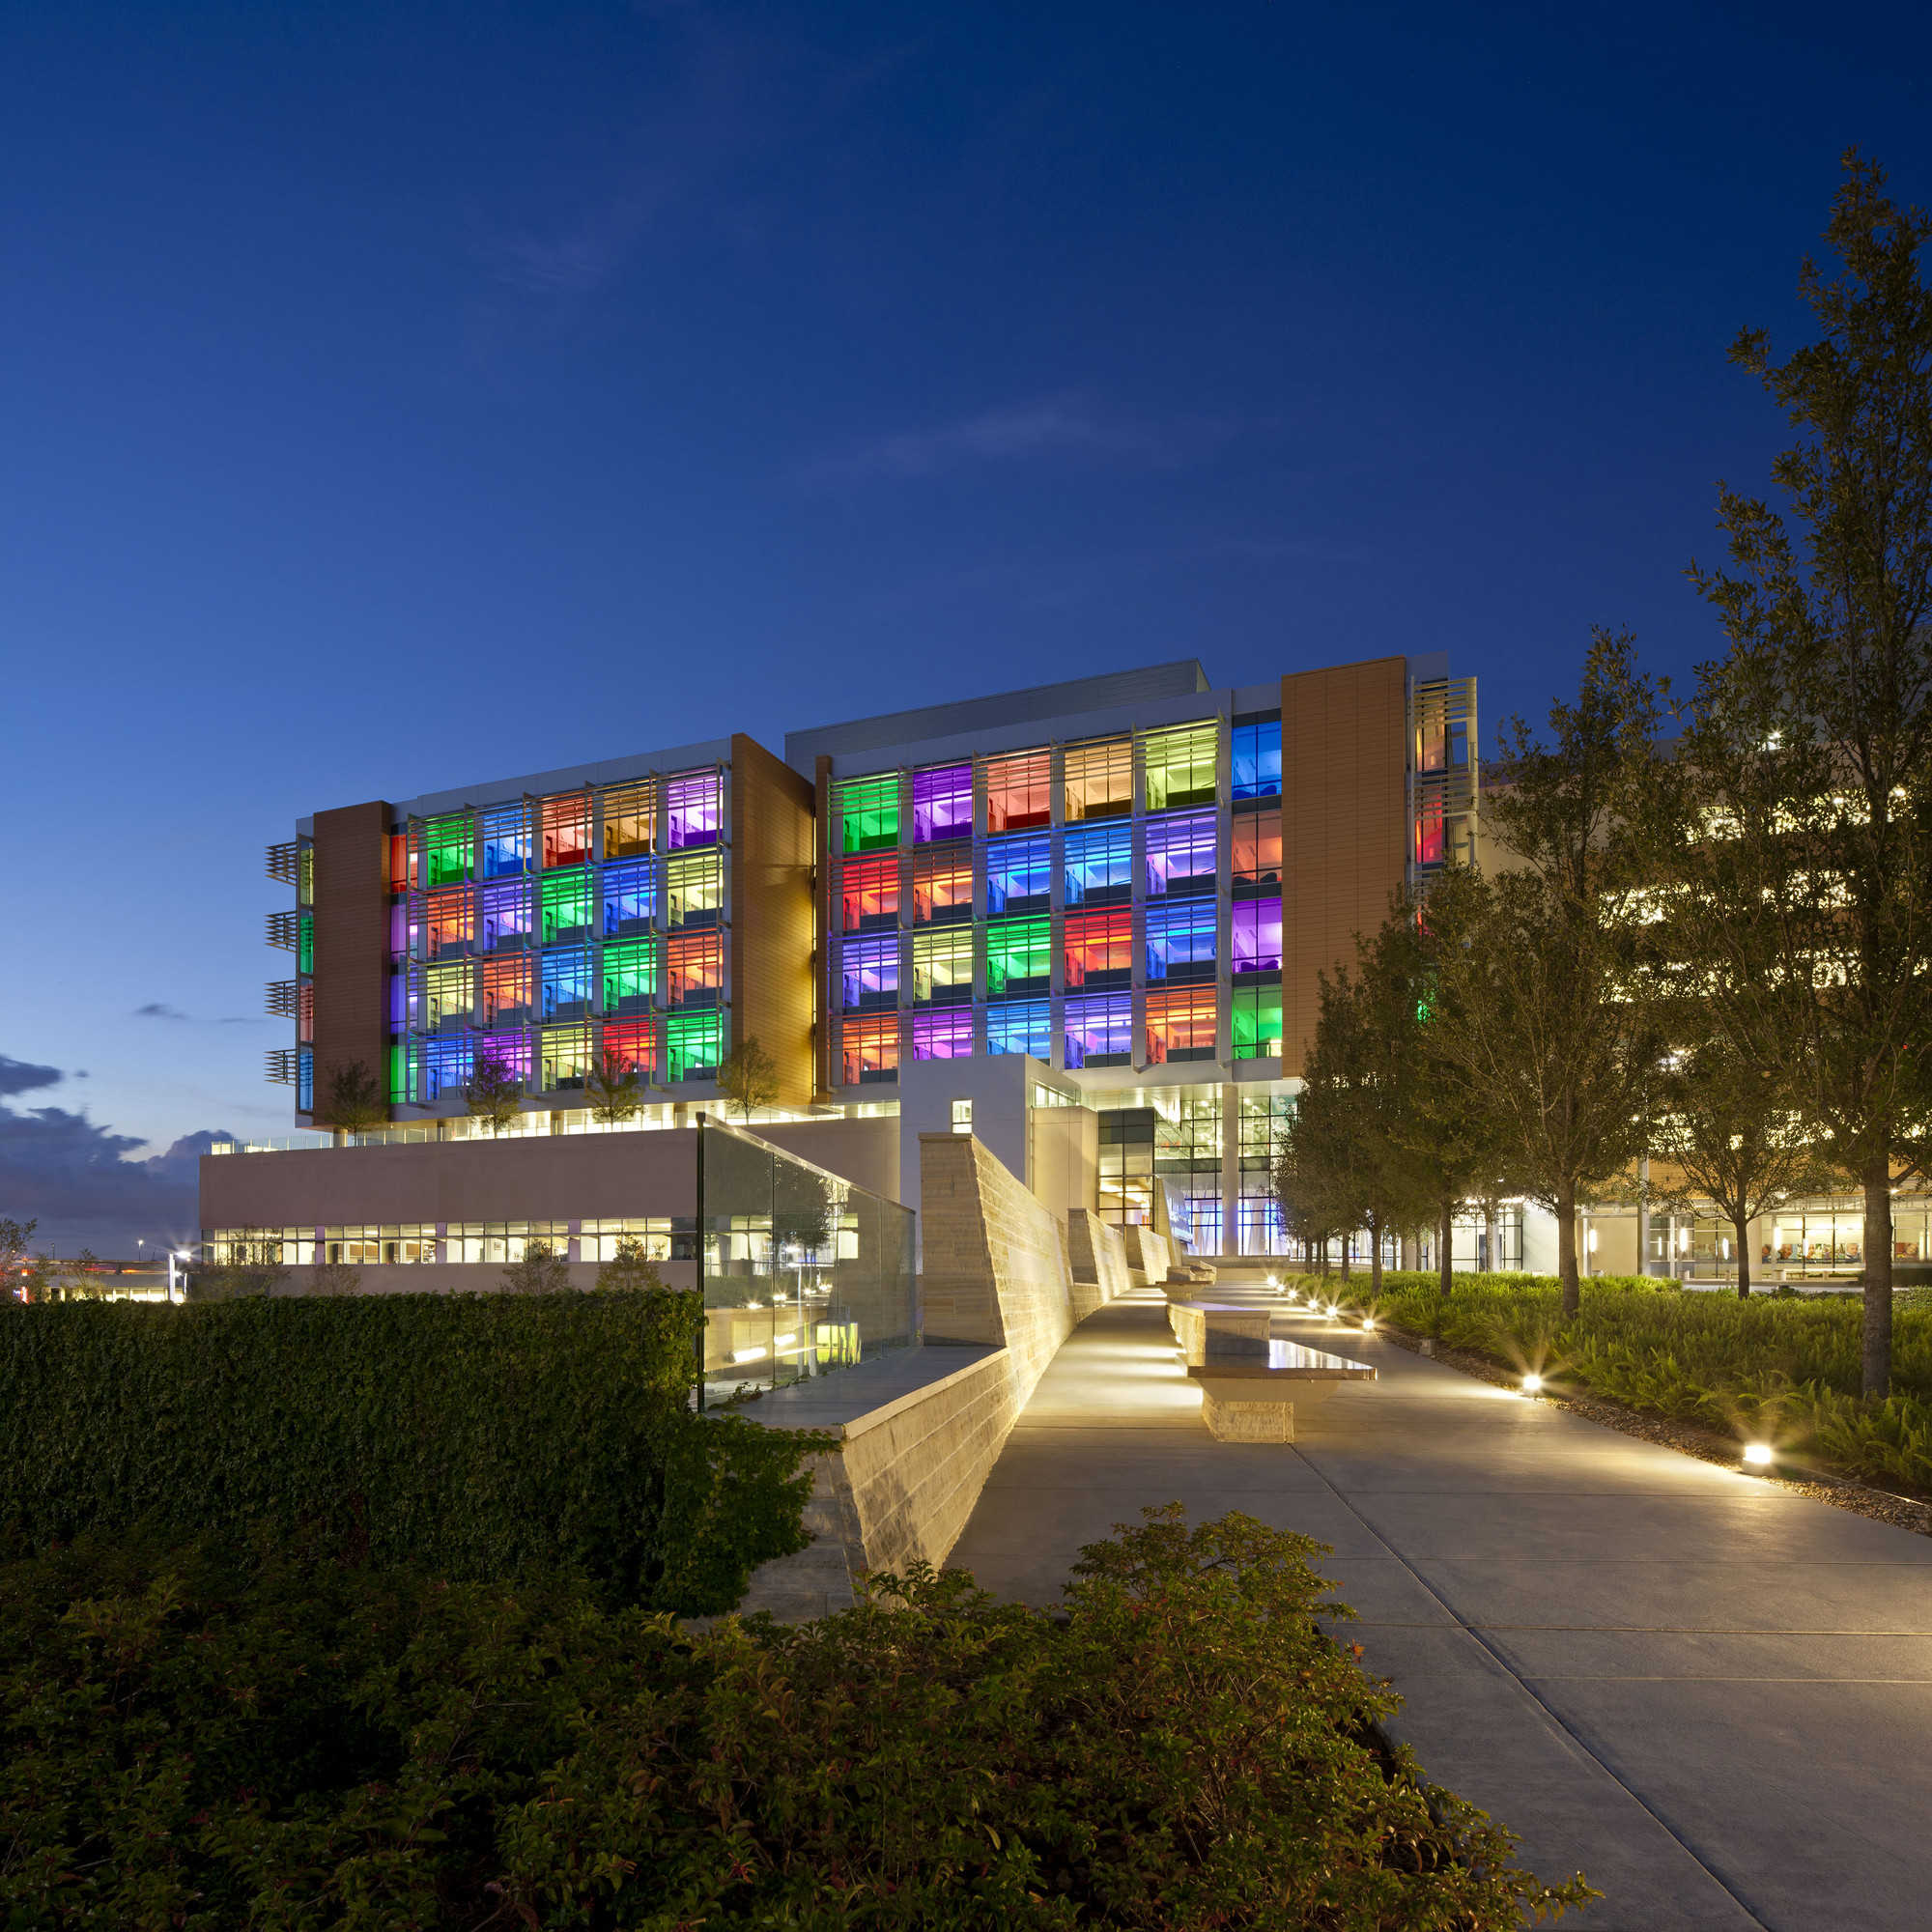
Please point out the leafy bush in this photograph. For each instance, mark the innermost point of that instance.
(1790, 1368)
(474, 1433)
(251, 1738)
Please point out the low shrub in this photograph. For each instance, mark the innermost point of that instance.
(1787, 1368)
(240, 1734)
(477, 1434)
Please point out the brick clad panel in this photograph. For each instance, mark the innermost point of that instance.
(771, 924)
(352, 944)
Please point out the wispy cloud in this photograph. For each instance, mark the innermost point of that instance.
(154, 1010)
(1061, 429)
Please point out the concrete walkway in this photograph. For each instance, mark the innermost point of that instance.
(1712, 1696)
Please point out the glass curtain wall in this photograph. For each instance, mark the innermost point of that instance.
(803, 1273)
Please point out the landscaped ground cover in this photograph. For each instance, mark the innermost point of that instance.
(1782, 1369)
(240, 1734)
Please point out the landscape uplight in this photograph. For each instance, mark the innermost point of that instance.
(1531, 1383)
(1758, 1455)
(1368, 1323)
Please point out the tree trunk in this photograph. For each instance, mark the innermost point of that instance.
(1878, 1278)
(1566, 1247)
(1741, 1228)
(1376, 1261)
(1445, 1234)
(1345, 1257)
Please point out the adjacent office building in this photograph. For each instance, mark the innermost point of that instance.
(1095, 912)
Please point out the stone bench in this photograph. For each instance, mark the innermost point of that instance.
(1250, 1397)
(1205, 1328)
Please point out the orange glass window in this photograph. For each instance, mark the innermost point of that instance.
(1100, 948)
(1101, 779)
(869, 1048)
(635, 1044)
(566, 829)
(1258, 848)
(1020, 791)
(942, 888)
(447, 928)
(1180, 1024)
(694, 968)
(868, 890)
(507, 981)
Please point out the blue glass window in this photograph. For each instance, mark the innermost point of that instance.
(630, 896)
(869, 971)
(1099, 866)
(1257, 748)
(507, 842)
(1181, 854)
(566, 984)
(1099, 1030)
(1020, 1026)
(1180, 941)
(1019, 874)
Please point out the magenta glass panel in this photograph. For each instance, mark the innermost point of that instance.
(942, 804)
(943, 1035)
(692, 803)
(1257, 936)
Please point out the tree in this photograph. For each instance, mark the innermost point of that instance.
(748, 1076)
(13, 1266)
(331, 1278)
(1546, 980)
(355, 1101)
(610, 1086)
(1451, 1139)
(1810, 748)
(495, 1094)
(629, 1271)
(1735, 1132)
(251, 1267)
(541, 1271)
(76, 1279)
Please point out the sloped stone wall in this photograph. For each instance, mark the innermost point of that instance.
(1097, 1257)
(1149, 1254)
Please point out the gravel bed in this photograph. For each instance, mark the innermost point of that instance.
(1688, 1438)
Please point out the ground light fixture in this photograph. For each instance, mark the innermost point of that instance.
(1368, 1325)
(1531, 1383)
(1758, 1455)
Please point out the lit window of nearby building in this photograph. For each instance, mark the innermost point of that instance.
(636, 1044)
(693, 801)
(1181, 939)
(869, 812)
(630, 897)
(869, 971)
(1020, 1026)
(1099, 866)
(1257, 1021)
(1020, 791)
(1257, 849)
(693, 1044)
(1180, 1024)
(1257, 936)
(508, 844)
(1179, 766)
(1256, 755)
(868, 893)
(942, 967)
(943, 1035)
(694, 969)
(1181, 855)
(1100, 948)
(694, 889)
(869, 1048)
(566, 984)
(631, 820)
(566, 827)
(1019, 876)
(942, 804)
(1101, 779)
(1019, 957)
(942, 886)
(1099, 1030)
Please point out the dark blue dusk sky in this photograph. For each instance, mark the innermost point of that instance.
(392, 396)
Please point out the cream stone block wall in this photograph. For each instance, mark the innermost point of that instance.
(1149, 1254)
(1097, 1256)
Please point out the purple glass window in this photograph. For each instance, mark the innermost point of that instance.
(869, 971)
(942, 804)
(1257, 937)
(1181, 855)
(943, 1035)
(693, 801)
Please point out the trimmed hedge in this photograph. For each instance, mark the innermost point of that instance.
(475, 1435)
(246, 1738)
(1786, 1368)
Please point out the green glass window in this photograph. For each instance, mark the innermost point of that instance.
(305, 944)
(1257, 1022)
(694, 1044)
(1181, 766)
(1019, 956)
(566, 906)
(449, 850)
(630, 975)
(868, 810)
